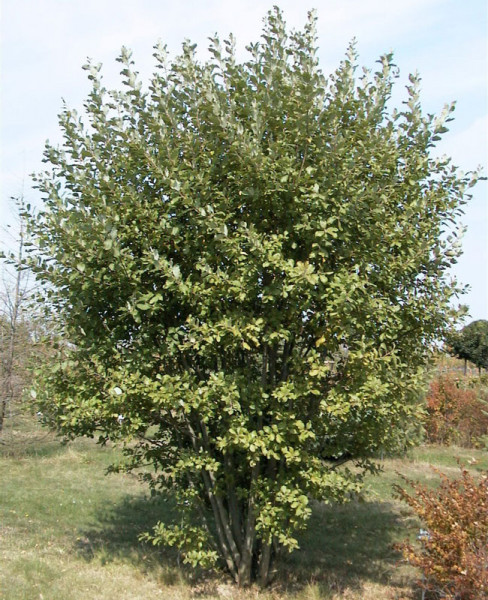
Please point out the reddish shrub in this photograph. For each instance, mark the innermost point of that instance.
(455, 414)
(453, 553)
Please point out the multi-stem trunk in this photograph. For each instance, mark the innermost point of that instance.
(236, 535)
(246, 556)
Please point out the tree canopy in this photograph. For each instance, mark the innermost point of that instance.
(471, 343)
(250, 264)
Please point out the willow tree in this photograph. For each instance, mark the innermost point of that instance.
(249, 263)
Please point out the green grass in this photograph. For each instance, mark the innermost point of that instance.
(68, 531)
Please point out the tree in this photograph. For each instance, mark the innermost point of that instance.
(16, 325)
(249, 267)
(471, 343)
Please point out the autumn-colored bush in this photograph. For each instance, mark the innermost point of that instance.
(452, 552)
(457, 412)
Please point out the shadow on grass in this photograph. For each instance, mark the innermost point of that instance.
(116, 538)
(344, 547)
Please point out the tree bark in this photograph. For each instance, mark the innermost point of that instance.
(234, 508)
(264, 564)
(222, 512)
(228, 550)
(245, 566)
(227, 554)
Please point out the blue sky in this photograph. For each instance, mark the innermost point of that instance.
(45, 42)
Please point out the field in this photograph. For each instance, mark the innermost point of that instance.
(68, 531)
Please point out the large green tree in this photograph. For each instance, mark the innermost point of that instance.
(249, 264)
(471, 343)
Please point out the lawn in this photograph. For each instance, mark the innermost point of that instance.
(69, 531)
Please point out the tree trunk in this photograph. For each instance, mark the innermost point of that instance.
(3, 412)
(235, 515)
(264, 564)
(244, 576)
(228, 553)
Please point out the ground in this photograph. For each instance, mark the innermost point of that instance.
(68, 530)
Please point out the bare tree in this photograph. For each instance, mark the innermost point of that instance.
(16, 325)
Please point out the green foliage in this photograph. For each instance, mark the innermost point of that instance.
(249, 267)
(471, 343)
(454, 549)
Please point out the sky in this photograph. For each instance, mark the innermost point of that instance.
(44, 44)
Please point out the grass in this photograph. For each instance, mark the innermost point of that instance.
(67, 530)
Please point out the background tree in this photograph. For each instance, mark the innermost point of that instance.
(471, 343)
(17, 326)
(248, 265)
(25, 335)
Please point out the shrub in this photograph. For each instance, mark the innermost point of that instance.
(453, 553)
(455, 414)
(247, 263)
